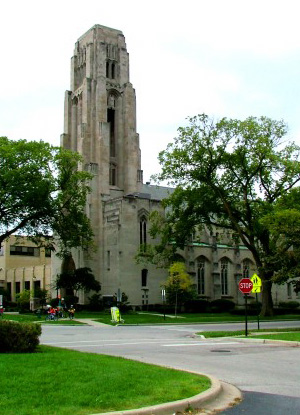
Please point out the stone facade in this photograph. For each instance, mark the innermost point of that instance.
(100, 123)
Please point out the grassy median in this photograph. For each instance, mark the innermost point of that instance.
(290, 334)
(57, 381)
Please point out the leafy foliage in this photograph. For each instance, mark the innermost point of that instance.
(228, 175)
(78, 279)
(18, 337)
(23, 299)
(43, 191)
(179, 286)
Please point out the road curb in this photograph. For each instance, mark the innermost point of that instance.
(264, 341)
(218, 397)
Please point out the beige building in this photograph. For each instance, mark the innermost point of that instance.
(24, 266)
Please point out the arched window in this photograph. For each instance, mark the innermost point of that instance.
(143, 231)
(201, 276)
(112, 134)
(144, 277)
(224, 276)
(113, 71)
(246, 268)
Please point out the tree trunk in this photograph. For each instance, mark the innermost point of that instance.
(267, 301)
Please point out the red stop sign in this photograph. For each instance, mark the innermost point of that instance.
(245, 285)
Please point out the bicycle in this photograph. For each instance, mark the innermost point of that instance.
(51, 317)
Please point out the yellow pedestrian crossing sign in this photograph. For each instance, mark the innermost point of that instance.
(256, 281)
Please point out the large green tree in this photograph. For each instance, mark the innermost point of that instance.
(43, 192)
(229, 174)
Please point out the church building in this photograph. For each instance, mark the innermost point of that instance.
(100, 124)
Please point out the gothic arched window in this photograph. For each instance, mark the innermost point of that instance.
(246, 268)
(143, 231)
(201, 276)
(224, 276)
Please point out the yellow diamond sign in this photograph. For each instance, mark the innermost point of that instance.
(256, 281)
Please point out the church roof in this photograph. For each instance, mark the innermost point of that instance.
(152, 192)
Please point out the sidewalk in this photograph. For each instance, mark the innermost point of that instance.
(91, 322)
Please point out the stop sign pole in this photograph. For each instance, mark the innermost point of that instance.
(245, 286)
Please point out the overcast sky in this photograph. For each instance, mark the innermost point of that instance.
(232, 58)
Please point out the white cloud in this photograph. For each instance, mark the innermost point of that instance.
(225, 58)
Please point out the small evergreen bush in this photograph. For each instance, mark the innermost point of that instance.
(289, 304)
(221, 305)
(18, 337)
(197, 306)
(95, 303)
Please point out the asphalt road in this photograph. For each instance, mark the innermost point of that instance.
(268, 375)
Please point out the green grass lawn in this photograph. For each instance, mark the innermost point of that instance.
(32, 318)
(151, 318)
(294, 337)
(56, 381)
(293, 334)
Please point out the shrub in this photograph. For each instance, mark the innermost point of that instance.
(95, 303)
(222, 305)
(18, 337)
(255, 305)
(197, 306)
(10, 306)
(289, 304)
(242, 312)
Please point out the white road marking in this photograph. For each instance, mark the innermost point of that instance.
(118, 342)
(196, 344)
(101, 343)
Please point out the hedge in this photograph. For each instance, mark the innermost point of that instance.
(18, 337)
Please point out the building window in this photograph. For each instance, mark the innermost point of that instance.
(113, 175)
(143, 231)
(144, 277)
(224, 277)
(47, 252)
(36, 286)
(113, 70)
(201, 276)
(27, 285)
(112, 135)
(18, 287)
(8, 288)
(24, 250)
(246, 268)
(110, 69)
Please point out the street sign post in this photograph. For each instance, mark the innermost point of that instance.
(256, 281)
(163, 296)
(245, 286)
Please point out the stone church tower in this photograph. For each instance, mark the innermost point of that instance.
(100, 124)
(100, 111)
